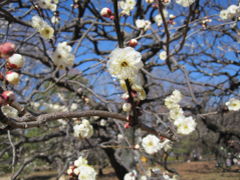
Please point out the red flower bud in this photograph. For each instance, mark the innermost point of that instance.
(133, 43)
(127, 125)
(106, 12)
(7, 49)
(8, 96)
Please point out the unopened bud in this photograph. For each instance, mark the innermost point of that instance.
(127, 125)
(7, 49)
(8, 96)
(15, 61)
(106, 12)
(112, 17)
(12, 77)
(127, 107)
(133, 43)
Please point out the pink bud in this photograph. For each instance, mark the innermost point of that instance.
(106, 12)
(12, 77)
(112, 17)
(7, 49)
(133, 43)
(8, 96)
(126, 125)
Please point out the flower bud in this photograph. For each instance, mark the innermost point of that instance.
(133, 43)
(106, 12)
(15, 61)
(7, 49)
(127, 125)
(8, 96)
(112, 17)
(127, 107)
(12, 77)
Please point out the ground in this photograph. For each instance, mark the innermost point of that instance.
(204, 170)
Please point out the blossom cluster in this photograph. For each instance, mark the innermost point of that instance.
(185, 125)
(81, 170)
(48, 4)
(83, 130)
(62, 56)
(124, 64)
(233, 104)
(143, 24)
(229, 13)
(45, 30)
(152, 144)
(127, 6)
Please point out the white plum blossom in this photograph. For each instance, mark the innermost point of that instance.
(42, 27)
(185, 125)
(82, 169)
(83, 130)
(224, 14)
(185, 3)
(124, 63)
(127, 6)
(62, 56)
(48, 4)
(163, 55)
(233, 104)
(158, 18)
(87, 173)
(176, 113)
(80, 161)
(143, 24)
(132, 175)
(233, 9)
(229, 13)
(151, 144)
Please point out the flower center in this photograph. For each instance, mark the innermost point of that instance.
(124, 64)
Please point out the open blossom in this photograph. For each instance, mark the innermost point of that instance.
(131, 175)
(82, 170)
(42, 27)
(185, 3)
(233, 104)
(48, 4)
(87, 173)
(230, 12)
(80, 161)
(151, 144)
(83, 130)
(127, 6)
(158, 18)
(185, 125)
(176, 113)
(124, 63)
(143, 24)
(62, 56)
